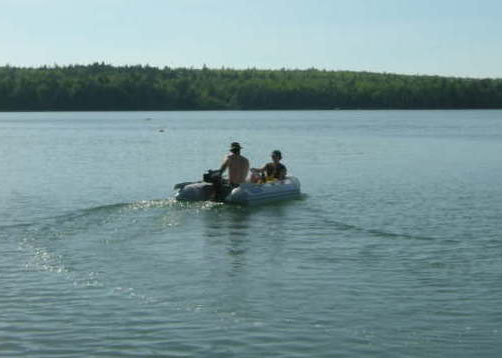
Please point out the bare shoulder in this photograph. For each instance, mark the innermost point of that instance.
(230, 157)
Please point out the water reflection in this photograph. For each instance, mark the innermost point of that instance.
(228, 227)
(236, 235)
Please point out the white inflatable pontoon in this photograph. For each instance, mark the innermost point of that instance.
(244, 194)
(254, 194)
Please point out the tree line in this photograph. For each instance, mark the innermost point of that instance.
(105, 87)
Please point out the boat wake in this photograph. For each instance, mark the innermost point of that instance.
(113, 210)
(78, 245)
(326, 219)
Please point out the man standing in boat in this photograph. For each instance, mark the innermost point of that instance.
(238, 166)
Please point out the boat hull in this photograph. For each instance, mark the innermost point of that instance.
(256, 194)
(246, 194)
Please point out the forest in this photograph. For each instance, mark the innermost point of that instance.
(101, 86)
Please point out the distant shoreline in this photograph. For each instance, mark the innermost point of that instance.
(252, 110)
(101, 87)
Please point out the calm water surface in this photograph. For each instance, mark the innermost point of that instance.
(394, 250)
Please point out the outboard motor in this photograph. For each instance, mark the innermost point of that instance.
(220, 189)
(211, 188)
(213, 177)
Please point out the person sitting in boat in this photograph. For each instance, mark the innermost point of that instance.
(274, 170)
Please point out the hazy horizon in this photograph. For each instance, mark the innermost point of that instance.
(447, 38)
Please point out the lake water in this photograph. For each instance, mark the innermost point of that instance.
(394, 249)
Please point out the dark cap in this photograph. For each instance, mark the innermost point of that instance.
(277, 153)
(235, 145)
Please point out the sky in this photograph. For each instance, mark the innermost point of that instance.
(461, 38)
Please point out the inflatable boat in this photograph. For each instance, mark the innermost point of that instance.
(213, 188)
